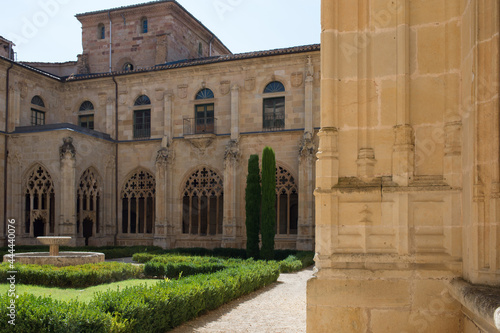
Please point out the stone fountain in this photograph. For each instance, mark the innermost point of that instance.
(54, 257)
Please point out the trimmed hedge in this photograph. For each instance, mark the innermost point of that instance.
(175, 270)
(157, 308)
(172, 302)
(42, 314)
(81, 276)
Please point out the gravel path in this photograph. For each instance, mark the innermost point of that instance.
(278, 308)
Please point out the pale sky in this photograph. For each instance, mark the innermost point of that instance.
(47, 30)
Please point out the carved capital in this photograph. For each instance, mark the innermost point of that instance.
(232, 152)
(307, 148)
(164, 156)
(67, 150)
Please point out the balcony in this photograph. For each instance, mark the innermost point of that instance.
(200, 131)
(193, 126)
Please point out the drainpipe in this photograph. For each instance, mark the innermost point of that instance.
(117, 197)
(5, 174)
(110, 40)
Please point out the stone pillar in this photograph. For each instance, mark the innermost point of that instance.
(231, 229)
(235, 120)
(67, 223)
(162, 232)
(305, 236)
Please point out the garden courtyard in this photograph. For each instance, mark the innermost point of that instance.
(141, 289)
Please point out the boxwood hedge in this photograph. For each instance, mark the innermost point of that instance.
(157, 308)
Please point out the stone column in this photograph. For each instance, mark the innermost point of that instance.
(164, 160)
(67, 223)
(305, 236)
(235, 128)
(230, 227)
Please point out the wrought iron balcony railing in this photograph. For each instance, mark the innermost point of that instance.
(194, 126)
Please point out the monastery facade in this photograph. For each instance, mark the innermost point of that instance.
(148, 144)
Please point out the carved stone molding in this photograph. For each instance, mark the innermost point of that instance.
(297, 78)
(67, 150)
(200, 141)
(307, 148)
(164, 156)
(232, 152)
(182, 91)
(249, 84)
(225, 87)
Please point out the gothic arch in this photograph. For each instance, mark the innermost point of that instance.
(138, 196)
(287, 201)
(39, 201)
(202, 202)
(88, 204)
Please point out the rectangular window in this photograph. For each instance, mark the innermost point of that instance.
(204, 118)
(142, 124)
(86, 121)
(37, 117)
(274, 114)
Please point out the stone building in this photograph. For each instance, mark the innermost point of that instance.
(145, 139)
(407, 179)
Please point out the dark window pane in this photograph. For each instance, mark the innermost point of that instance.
(274, 87)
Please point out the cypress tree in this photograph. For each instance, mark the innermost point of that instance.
(252, 206)
(268, 203)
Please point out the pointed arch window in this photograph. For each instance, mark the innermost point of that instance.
(86, 117)
(88, 204)
(273, 115)
(39, 203)
(138, 203)
(287, 202)
(142, 117)
(37, 111)
(202, 211)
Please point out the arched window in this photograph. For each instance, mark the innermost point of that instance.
(273, 115)
(86, 117)
(128, 67)
(101, 31)
(88, 197)
(202, 203)
(287, 202)
(204, 113)
(142, 117)
(37, 111)
(144, 25)
(39, 203)
(138, 203)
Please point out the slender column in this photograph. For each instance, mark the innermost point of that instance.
(164, 161)
(230, 226)
(67, 222)
(235, 100)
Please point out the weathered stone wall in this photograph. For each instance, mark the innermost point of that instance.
(173, 34)
(238, 88)
(404, 172)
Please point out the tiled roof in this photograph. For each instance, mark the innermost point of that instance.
(124, 7)
(203, 61)
(47, 74)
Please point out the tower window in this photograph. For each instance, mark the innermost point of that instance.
(101, 31)
(144, 25)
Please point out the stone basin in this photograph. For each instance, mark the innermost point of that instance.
(63, 259)
(54, 242)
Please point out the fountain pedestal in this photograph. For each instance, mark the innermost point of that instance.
(54, 242)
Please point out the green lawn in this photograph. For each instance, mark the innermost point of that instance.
(83, 295)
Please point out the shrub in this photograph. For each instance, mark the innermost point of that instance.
(268, 209)
(227, 252)
(42, 314)
(80, 276)
(170, 303)
(290, 264)
(252, 207)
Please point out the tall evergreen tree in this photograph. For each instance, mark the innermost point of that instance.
(268, 203)
(252, 206)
